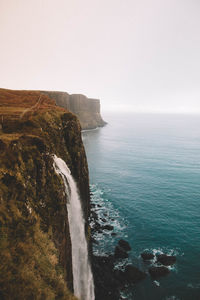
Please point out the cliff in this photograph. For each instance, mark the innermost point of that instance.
(86, 109)
(36, 257)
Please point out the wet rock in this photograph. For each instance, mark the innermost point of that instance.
(105, 214)
(147, 256)
(106, 283)
(120, 252)
(130, 275)
(133, 274)
(103, 220)
(113, 234)
(107, 227)
(166, 260)
(157, 272)
(97, 228)
(94, 215)
(124, 245)
(119, 276)
(94, 241)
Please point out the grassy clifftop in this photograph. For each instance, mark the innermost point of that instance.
(35, 246)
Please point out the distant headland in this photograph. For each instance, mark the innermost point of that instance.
(86, 109)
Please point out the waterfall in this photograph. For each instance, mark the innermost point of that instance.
(82, 274)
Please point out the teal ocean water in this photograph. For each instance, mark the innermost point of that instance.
(145, 174)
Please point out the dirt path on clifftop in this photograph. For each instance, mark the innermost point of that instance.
(34, 107)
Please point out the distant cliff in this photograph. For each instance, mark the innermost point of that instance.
(86, 109)
(35, 244)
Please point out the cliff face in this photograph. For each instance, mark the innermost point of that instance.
(86, 109)
(34, 234)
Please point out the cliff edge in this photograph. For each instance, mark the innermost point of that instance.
(35, 244)
(86, 109)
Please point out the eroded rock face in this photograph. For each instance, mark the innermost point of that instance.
(33, 214)
(86, 109)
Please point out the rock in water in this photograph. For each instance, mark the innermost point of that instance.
(156, 272)
(125, 245)
(147, 256)
(107, 284)
(107, 227)
(166, 260)
(103, 220)
(133, 274)
(120, 252)
(113, 234)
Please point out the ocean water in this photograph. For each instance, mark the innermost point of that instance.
(145, 175)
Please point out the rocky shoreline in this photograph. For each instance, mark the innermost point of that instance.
(110, 279)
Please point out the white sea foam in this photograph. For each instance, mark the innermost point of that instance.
(157, 283)
(127, 295)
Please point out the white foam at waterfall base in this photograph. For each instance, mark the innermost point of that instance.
(82, 274)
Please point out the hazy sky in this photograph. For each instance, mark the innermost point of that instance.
(141, 55)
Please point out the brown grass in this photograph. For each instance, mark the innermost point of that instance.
(16, 104)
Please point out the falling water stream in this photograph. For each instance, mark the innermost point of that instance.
(82, 274)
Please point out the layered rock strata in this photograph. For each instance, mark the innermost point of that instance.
(36, 256)
(86, 109)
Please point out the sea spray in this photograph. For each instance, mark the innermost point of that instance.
(82, 274)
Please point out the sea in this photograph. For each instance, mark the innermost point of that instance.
(145, 179)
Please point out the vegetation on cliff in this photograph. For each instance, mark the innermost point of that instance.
(35, 246)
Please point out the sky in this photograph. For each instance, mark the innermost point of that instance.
(134, 55)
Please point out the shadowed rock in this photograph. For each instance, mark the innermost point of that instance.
(147, 256)
(166, 260)
(103, 220)
(106, 283)
(133, 274)
(107, 227)
(157, 272)
(113, 234)
(124, 245)
(120, 252)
